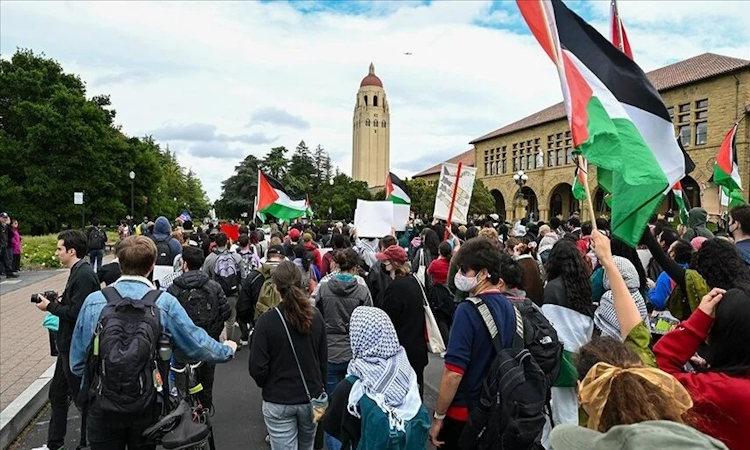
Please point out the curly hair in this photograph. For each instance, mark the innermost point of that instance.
(566, 261)
(720, 264)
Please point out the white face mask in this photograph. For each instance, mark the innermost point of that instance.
(464, 283)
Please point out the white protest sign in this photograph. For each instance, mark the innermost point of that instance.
(463, 194)
(373, 219)
(400, 216)
(78, 198)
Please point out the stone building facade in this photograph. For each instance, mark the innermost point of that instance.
(371, 132)
(705, 95)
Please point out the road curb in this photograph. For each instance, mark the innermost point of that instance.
(16, 416)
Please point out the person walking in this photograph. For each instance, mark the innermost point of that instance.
(288, 361)
(6, 254)
(16, 246)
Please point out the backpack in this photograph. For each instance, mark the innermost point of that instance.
(203, 309)
(123, 354)
(164, 255)
(376, 431)
(249, 259)
(267, 299)
(227, 272)
(97, 239)
(517, 387)
(249, 293)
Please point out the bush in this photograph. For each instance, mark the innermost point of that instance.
(38, 252)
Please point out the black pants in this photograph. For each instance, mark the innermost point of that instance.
(16, 262)
(450, 433)
(420, 381)
(6, 261)
(63, 389)
(119, 433)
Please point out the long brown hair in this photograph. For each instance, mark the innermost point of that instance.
(297, 308)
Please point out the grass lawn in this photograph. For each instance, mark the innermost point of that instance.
(38, 252)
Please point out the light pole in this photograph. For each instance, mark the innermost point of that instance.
(330, 200)
(520, 179)
(132, 189)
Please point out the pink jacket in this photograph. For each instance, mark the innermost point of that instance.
(15, 242)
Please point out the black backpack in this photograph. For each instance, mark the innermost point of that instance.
(123, 354)
(97, 239)
(202, 306)
(164, 254)
(516, 390)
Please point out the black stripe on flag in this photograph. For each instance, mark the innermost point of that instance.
(276, 184)
(400, 183)
(615, 69)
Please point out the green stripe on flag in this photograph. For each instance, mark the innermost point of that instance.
(638, 182)
(397, 200)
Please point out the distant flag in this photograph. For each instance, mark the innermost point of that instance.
(616, 115)
(274, 199)
(396, 190)
(580, 180)
(679, 198)
(618, 36)
(184, 217)
(308, 208)
(726, 170)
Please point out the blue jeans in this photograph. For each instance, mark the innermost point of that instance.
(336, 373)
(96, 256)
(290, 427)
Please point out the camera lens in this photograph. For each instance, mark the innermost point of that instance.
(35, 298)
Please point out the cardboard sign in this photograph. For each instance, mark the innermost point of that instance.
(463, 193)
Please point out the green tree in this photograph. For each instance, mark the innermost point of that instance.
(275, 163)
(238, 191)
(301, 175)
(482, 201)
(343, 196)
(422, 197)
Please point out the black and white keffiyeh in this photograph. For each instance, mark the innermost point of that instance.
(605, 317)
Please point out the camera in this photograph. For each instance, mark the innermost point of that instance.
(49, 295)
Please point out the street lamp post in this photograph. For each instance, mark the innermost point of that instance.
(520, 178)
(132, 190)
(330, 200)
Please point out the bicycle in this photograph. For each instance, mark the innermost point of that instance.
(185, 422)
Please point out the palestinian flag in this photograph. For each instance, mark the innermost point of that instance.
(273, 199)
(617, 119)
(618, 37)
(726, 170)
(679, 198)
(308, 208)
(580, 180)
(396, 190)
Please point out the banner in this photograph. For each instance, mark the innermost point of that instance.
(232, 231)
(463, 193)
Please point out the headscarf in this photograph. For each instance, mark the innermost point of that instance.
(381, 366)
(595, 387)
(605, 317)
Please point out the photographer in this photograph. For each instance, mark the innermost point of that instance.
(71, 248)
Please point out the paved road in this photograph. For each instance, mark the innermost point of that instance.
(238, 422)
(26, 278)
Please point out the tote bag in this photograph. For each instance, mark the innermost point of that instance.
(433, 337)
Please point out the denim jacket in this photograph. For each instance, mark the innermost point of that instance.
(190, 339)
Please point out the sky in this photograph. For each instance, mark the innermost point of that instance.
(218, 81)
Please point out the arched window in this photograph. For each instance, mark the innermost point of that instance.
(367, 122)
(365, 100)
(384, 124)
(374, 100)
(375, 123)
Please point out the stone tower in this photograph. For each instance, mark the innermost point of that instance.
(371, 132)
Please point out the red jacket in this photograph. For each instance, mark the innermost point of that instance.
(309, 246)
(721, 403)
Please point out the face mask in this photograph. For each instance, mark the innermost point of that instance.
(464, 283)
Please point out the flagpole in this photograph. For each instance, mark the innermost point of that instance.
(618, 24)
(453, 198)
(589, 202)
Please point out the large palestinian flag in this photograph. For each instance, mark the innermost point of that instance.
(617, 118)
(273, 199)
(396, 190)
(726, 170)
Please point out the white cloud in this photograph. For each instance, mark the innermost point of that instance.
(197, 74)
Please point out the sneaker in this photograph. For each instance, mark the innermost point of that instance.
(268, 440)
(11, 275)
(243, 342)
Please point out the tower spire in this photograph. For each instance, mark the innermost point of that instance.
(372, 69)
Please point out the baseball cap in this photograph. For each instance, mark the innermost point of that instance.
(4, 215)
(293, 234)
(661, 434)
(275, 250)
(393, 253)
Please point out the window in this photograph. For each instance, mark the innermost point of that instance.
(523, 163)
(530, 161)
(550, 159)
(374, 100)
(559, 136)
(685, 108)
(367, 122)
(560, 156)
(683, 118)
(366, 100)
(701, 133)
(486, 168)
(569, 156)
(515, 164)
(515, 146)
(700, 104)
(670, 110)
(505, 168)
(700, 115)
(684, 132)
(375, 123)
(383, 123)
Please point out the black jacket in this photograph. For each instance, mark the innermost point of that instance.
(378, 281)
(272, 363)
(338, 422)
(81, 282)
(404, 304)
(196, 279)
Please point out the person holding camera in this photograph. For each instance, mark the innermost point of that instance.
(71, 248)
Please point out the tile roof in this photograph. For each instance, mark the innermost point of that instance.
(467, 158)
(680, 73)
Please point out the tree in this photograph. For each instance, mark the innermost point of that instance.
(422, 197)
(322, 165)
(301, 174)
(482, 201)
(238, 191)
(275, 163)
